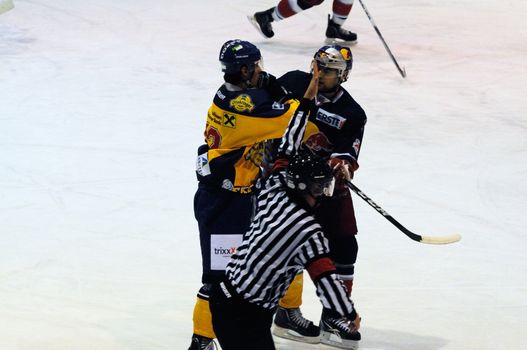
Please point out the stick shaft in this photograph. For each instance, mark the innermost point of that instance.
(402, 71)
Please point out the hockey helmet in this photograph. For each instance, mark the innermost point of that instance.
(235, 54)
(335, 57)
(310, 173)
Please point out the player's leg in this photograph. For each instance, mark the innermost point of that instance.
(337, 218)
(334, 31)
(223, 216)
(284, 9)
(240, 325)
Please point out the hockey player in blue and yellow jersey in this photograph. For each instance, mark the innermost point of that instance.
(243, 115)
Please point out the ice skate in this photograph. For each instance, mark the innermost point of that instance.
(290, 324)
(335, 34)
(199, 342)
(262, 22)
(336, 332)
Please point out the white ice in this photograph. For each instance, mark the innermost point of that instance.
(103, 103)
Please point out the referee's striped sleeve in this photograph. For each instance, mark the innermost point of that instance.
(295, 130)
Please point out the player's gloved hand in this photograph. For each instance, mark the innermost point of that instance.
(268, 82)
(342, 169)
(265, 80)
(355, 324)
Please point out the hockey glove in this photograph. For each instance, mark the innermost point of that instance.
(355, 324)
(342, 170)
(268, 82)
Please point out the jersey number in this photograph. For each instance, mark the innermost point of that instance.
(213, 137)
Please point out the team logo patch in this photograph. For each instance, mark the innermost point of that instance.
(229, 120)
(319, 143)
(202, 165)
(330, 119)
(346, 53)
(242, 103)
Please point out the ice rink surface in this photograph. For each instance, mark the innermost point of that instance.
(103, 104)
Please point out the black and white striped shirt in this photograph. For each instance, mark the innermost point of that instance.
(283, 240)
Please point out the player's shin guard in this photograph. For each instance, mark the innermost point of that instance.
(293, 297)
(345, 273)
(202, 318)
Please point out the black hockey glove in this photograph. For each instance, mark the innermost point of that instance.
(268, 82)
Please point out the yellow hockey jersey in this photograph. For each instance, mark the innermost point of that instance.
(238, 123)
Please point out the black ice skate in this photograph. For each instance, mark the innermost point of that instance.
(336, 34)
(290, 324)
(262, 22)
(199, 342)
(336, 332)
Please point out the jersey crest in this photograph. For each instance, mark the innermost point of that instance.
(242, 103)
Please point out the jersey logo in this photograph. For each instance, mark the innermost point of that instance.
(202, 165)
(319, 144)
(330, 119)
(242, 103)
(255, 153)
(229, 120)
(220, 95)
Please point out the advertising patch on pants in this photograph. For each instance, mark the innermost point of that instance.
(221, 249)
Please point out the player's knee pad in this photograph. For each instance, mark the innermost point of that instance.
(293, 297)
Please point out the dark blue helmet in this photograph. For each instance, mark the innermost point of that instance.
(335, 57)
(235, 54)
(310, 173)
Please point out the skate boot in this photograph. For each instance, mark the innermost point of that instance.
(262, 22)
(335, 34)
(336, 332)
(199, 342)
(290, 324)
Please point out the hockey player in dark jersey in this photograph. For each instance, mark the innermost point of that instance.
(284, 238)
(341, 122)
(243, 114)
(287, 8)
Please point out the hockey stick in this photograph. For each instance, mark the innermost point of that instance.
(402, 71)
(419, 238)
(6, 5)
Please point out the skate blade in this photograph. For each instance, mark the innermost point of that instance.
(292, 335)
(335, 41)
(332, 339)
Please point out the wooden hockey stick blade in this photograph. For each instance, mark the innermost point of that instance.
(413, 236)
(453, 238)
(6, 5)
